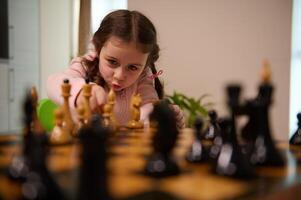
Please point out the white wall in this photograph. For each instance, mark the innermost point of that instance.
(56, 37)
(208, 43)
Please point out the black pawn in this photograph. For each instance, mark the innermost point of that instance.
(161, 163)
(217, 142)
(213, 128)
(197, 152)
(230, 161)
(296, 138)
(93, 171)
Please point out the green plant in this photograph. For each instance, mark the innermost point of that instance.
(192, 107)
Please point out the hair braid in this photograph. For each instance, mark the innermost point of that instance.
(153, 57)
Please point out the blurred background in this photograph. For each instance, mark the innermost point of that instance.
(205, 44)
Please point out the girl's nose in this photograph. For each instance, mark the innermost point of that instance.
(119, 74)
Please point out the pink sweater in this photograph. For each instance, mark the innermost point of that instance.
(76, 73)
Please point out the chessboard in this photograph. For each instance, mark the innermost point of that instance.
(97, 158)
(126, 179)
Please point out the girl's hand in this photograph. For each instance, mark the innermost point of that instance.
(97, 99)
(179, 116)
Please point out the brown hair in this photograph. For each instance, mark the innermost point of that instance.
(130, 26)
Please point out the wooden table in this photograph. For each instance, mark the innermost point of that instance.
(125, 180)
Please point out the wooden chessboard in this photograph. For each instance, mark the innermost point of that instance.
(126, 179)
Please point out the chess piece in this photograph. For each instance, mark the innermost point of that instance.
(34, 99)
(231, 161)
(30, 169)
(249, 130)
(60, 134)
(81, 120)
(19, 166)
(296, 138)
(248, 108)
(213, 128)
(93, 160)
(108, 111)
(68, 121)
(161, 163)
(87, 88)
(233, 96)
(264, 151)
(135, 122)
(197, 152)
(217, 142)
(39, 178)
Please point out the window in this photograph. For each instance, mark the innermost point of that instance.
(295, 80)
(100, 8)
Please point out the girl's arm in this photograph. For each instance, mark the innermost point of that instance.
(149, 95)
(75, 74)
(145, 111)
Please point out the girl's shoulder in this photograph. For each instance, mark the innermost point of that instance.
(76, 62)
(77, 66)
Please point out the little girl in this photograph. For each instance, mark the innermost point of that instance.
(124, 59)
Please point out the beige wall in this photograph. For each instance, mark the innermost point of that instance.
(208, 43)
(55, 37)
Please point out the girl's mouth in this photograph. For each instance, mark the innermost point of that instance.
(116, 86)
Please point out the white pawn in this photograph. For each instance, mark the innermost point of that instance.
(60, 134)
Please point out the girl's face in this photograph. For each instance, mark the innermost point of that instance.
(121, 63)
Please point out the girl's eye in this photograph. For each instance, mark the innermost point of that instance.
(133, 68)
(112, 62)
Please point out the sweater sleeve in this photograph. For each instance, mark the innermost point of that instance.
(75, 74)
(146, 88)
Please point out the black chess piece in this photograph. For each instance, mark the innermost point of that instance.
(230, 160)
(249, 130)
(217, 142)
(39, 177)
(264, 151)
(19, 168)
(93, 171)
(30, 168)
(296, 138)
(197, 152)
(161, 163)
(213, 128)
(233, 94)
